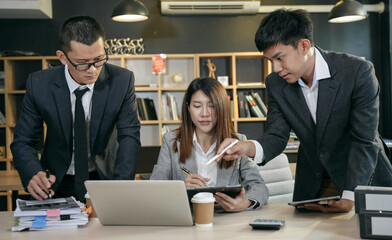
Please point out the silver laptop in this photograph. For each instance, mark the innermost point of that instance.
(142, 202)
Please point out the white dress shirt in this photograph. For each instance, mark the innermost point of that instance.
(87, 103)
(207, 171)
(321, 71)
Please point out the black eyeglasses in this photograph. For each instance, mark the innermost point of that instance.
(85, 66)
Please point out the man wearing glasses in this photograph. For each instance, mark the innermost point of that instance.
(90, 114)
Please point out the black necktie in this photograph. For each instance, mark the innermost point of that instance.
(80, 146)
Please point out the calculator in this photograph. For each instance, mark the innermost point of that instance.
(268, 224)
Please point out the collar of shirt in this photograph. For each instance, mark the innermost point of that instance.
(321, 70)
(201, 158)
(73, 85)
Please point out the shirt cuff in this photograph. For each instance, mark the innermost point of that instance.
(348, 195)
(259, 155)
(255, 205)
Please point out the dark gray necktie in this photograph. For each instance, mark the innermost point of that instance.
(80, 146)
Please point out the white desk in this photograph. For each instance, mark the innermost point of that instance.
(226, 226)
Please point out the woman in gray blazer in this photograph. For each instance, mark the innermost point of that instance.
(206, 122)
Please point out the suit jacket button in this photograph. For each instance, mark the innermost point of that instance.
(318, 174)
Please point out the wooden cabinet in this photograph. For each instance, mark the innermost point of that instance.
(245, 71)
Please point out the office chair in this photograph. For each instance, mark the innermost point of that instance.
(278, 178)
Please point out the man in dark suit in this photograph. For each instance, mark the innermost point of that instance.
(331, 101)
(92, 136)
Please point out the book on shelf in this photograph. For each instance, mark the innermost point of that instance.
(169, 107)
(293, 136)
(167, 113)
(2, 119)
(2, 80)
(250, 84)
(241, 105)
(292, 145)
(231, 106)
(173, 108)
(140, 111)
(254, 109)
(247, 111)
(146, 109)
(259, 102)
(151, 112)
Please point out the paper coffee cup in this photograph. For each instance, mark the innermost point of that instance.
(203, 209)
(90, 204)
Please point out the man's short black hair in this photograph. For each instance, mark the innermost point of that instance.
(284, 26)
(82, 29)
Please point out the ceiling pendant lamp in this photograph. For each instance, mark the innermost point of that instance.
(347, 11)
(130, 11)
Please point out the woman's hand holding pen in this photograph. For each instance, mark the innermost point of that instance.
(39, 185)
(230, 204)
(238, 150)
(195, 180)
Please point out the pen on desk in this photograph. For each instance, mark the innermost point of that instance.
(47, 176)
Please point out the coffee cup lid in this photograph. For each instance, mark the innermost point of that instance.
(203, 197)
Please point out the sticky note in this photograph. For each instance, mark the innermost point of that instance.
(53, 212)
(39, 222)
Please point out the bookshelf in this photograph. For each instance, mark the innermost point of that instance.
(245, 71)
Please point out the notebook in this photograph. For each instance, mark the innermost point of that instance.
(158, 203)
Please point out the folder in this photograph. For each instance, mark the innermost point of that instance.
(375, 224)
(372, 198)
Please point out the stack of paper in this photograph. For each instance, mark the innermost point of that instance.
(49, 214)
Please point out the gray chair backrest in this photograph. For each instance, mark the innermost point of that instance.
(278, 178)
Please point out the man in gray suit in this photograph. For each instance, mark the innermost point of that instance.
(331, 101)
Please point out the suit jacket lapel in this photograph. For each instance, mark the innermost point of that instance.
(61, 95)
(100, 96)
(328, 88)
(326, 98)
(296, 99)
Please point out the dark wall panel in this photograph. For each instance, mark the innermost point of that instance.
(181, 34)
(193, 34)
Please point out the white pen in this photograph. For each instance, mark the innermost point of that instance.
(224, 150)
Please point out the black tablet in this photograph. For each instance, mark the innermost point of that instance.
(316, 200)
(231, 190)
